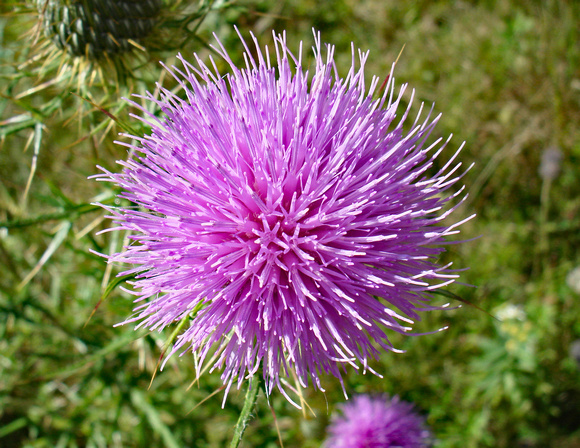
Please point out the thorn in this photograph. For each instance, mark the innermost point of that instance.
(384, 84)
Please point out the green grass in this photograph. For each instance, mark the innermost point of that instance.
(505, 75)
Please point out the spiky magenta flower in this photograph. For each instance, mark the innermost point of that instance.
(377, 422)
(292, 214)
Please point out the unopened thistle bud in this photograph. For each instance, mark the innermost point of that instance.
(95, 28)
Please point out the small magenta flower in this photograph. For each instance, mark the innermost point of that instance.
(377, 422)
(291, 212)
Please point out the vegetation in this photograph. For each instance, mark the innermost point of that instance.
(505, 75)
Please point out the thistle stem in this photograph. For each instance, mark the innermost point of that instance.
(250, 401)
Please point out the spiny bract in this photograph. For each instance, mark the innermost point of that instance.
(292, 213)
(95, 28)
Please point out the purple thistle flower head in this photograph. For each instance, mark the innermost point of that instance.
(377, 422)
(291, 213)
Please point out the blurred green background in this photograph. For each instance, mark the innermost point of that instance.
(505, 75)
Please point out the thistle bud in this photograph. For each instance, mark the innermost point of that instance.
(95, 28)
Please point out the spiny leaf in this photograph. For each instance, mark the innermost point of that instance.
(112, 285)
(187, 318)
(69, 213)
(123, 125)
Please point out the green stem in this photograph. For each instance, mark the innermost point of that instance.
(251, 397)
(74, 211)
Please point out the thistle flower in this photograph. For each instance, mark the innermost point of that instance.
(295, 217)
(377, 422)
